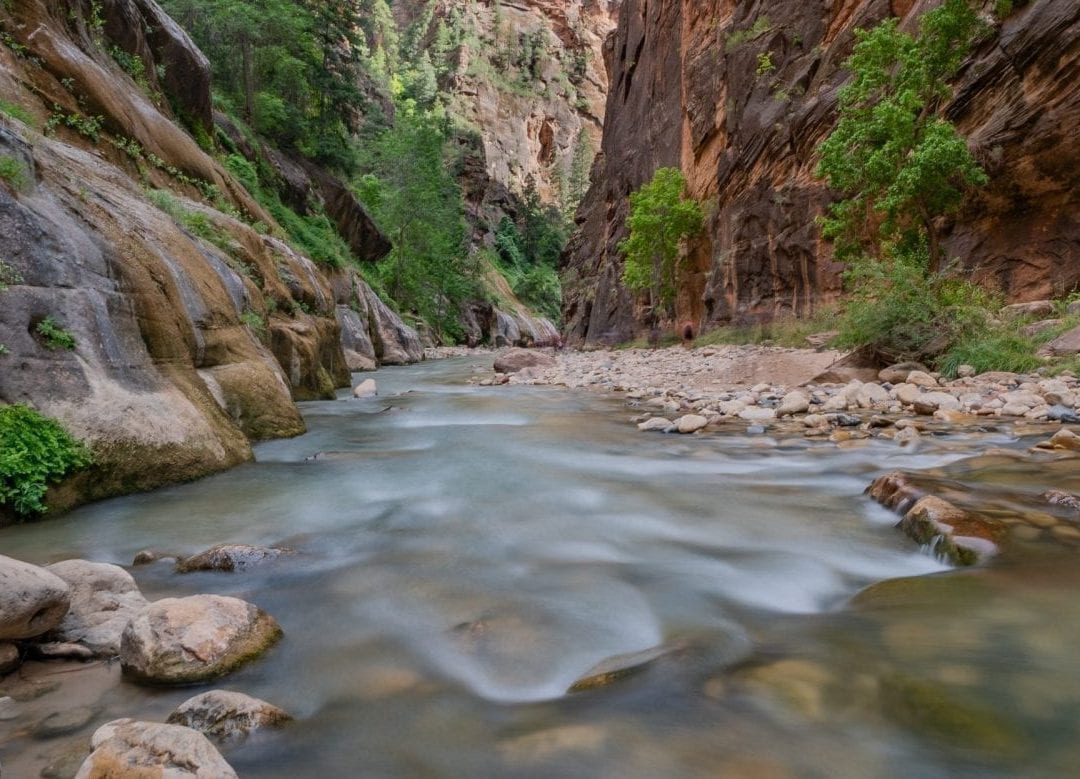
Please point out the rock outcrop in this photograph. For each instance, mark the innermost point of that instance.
(687, 90)
(195, 327)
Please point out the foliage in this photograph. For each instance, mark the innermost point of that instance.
(13, 172)
(34, 452)
(8, 275)
(903, 311)
(86, 126)
(895, 163)
(16, 111)
(254, 321)
(661, 217)
(765, 64)
(761, 26)
(55, 335)
(410, 190)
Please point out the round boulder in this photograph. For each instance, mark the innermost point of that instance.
(194, 639)
(515, 360)
(125, 747)
(226, 715)
(32, 600)
(104, 598)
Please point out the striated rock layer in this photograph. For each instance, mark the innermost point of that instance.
(195, 329)
(686, 91)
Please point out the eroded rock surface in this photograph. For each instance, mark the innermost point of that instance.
(226, 716)
(104, 598)
(127, 748)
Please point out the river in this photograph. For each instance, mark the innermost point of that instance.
(465, 554)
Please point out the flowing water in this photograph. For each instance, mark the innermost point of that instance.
(466, 554)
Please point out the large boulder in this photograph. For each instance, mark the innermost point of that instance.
(194, 639)
(229, 557)
(1065, 344)
(225, 716)
(33, 601)
(104, 599)
(515, 360)
(127, 748)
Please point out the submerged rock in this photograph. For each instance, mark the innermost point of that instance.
(33, 601)
(620, 667)
(230, 557)
(959, 536)
(226, 715)
(126, 748)
(104, 598)
(195, 639)
(63, 723)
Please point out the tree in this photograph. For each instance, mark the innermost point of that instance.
(896, 163)
(661, 218)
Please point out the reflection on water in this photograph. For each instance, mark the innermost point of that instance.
(467, 554)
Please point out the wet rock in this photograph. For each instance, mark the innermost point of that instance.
(33, 601)
(230, 557)
(57, 650)
(514, 360)
(898, 374)
(65, 763)
(194, 639)
(947, 717)
(104, 598)
(908, 436)
(620, 667)
(227, 716)
(9, 709)
(895, 491)
(1062, 498)
(1065, 439)
(9, 657)
(958, 536)
(657, 424)
(844, 420)
(796, 402)
(125, 748)
(547, 745)
(800, 684)
(147, 556)
(366, 389)
(63, 723)
(690, 423)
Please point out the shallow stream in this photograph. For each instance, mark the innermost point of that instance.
(466, 554)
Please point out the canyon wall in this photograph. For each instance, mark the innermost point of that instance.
(687, 89)
(193, 326)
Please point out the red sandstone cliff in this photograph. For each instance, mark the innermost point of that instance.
(685, 91)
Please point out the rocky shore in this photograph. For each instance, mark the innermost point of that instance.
(798, 393)
(77, 618)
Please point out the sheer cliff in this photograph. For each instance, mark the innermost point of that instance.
(688, 89)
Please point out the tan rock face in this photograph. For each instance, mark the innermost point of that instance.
(194, 639)
(104, 598)
(685, 92)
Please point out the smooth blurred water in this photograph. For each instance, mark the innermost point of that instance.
(465, 554)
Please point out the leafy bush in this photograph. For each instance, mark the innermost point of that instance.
(12, 172)
(34, 452)
(56, 336)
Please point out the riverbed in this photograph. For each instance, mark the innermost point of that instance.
(464, 554)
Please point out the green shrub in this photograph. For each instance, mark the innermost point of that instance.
(254, 320)
(56, 337)
(17, 112)
(34, 452)
(12, 172)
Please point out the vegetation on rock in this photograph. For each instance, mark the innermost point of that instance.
(661, 218)
(34, 452)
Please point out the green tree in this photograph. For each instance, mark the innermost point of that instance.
(661, 218)
(896, 163)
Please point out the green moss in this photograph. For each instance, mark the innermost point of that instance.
(34, 452)
(17, 112)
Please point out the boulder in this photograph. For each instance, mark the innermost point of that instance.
(515, 360)
(226, 716)
(1031, 308)
(921, 379)
(194, 639)
(690, 423)
(104, 598)
(127, 748)
(33, 601)
(366, 389)
(1065, 344)
(757, 414)
(898, 374)
(1065, 439)
(9, 657)
(656, 424)
(958, 536)
(870, 395)
(795, 402)
(229, 557)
